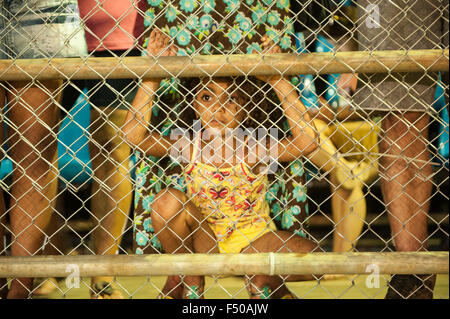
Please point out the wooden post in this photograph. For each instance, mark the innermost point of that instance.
(226, 264)
(222, 65)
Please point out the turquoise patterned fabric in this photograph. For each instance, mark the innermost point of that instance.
(222, 26)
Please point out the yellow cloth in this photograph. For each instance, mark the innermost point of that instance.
(232, 200)
(359, 139)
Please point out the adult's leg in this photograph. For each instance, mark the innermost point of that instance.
(406, 187)
(279, 242)
(405, 168)
(111, 189)
(56, 245)
(405, 165)
(3, 284)
(182, 229)
(32, 145)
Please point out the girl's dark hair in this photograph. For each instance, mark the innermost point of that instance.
(257, 98)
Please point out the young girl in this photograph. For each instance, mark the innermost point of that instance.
(224, 209)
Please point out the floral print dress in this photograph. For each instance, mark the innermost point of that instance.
(222, 26)
(216, 27)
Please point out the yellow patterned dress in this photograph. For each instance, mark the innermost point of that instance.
(232, 199)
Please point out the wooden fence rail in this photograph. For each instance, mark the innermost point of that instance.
(226, 264)
(223, 65)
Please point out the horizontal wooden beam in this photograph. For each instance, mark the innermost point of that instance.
(226, 264)
(223, 65)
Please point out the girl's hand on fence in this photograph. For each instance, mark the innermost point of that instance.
(269, 47)
(159, 44)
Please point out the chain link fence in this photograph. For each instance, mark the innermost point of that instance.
(342, 104)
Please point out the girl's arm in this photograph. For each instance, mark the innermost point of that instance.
(305, 137)
(135, 130)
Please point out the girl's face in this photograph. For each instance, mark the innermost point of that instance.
(218, 105)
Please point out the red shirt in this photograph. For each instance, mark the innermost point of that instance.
(123, 17)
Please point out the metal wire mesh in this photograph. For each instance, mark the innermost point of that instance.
(73, 185)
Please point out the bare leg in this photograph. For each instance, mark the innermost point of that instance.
(32, 145)
(3, 284)
(406, 189)
(181, 228)
(54, 246)
(280, 242)
(57, 245)
(111, 189)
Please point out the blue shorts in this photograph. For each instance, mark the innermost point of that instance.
(35, 29)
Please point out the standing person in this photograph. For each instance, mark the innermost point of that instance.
(404, 101)
(113, 28)
(31, 30)
(3, 283)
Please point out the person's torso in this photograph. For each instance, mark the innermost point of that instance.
(112, 24)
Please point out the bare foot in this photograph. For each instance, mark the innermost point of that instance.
(173, 288)
(193, 287)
